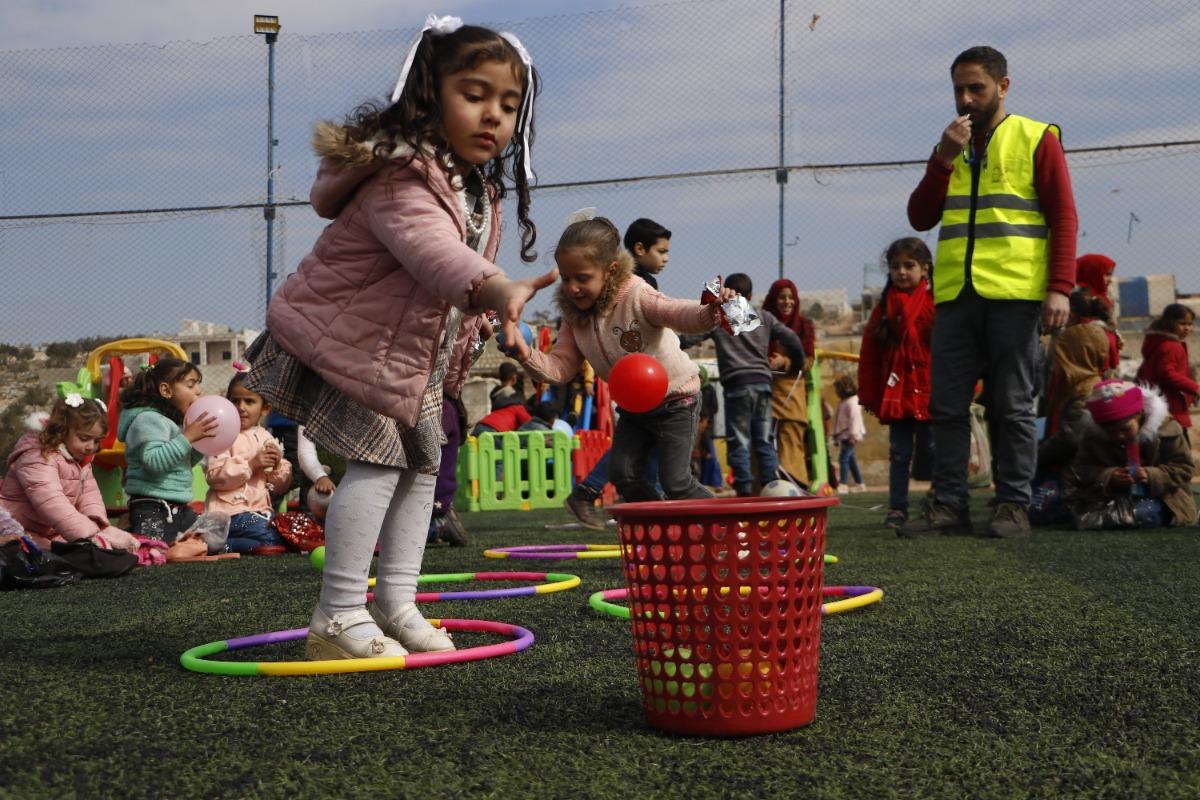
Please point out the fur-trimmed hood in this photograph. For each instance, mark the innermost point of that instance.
(1154, 409)
(346, 164)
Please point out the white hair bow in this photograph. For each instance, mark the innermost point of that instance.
(74, 399)
(526, 112)
(438, 26)
(582, 215)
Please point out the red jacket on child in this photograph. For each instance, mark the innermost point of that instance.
(893, 365)
(1165, 365)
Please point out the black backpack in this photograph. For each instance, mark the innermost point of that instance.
(24, 565)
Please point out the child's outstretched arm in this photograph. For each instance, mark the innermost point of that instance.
(681, 316)
(558, 366)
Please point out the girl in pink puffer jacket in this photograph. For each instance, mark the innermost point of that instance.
(386, 308)
(49, 488)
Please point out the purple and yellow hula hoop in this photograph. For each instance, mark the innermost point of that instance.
(195, 659)
(556, 551)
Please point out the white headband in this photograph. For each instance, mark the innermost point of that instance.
(441, 26)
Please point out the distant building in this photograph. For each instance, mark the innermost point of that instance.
(211, 343)
(1145, 295)
(832, 302)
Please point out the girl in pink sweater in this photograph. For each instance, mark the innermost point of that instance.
(241, 480)
(49, 488)
(384, 312)
(608, 312)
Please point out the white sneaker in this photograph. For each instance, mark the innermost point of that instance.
(843, 489)
(860, 488)
(421, 639)
(329, 638)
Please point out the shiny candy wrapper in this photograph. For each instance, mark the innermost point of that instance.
(735, 315)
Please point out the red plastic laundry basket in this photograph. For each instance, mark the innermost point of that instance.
(725, 601)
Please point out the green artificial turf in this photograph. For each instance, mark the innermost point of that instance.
(1062, 665)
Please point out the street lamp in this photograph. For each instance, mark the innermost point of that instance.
(268, 26)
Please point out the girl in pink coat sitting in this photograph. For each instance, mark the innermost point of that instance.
(49, 488)
(608, 312)
(242, 479)
(386, 309)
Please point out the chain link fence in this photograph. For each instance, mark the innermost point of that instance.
(133, 177)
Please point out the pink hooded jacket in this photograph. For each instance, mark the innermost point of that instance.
(52, 495)
(366, 309)
(233, 487)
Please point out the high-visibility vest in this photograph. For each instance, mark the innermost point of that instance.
(996, 231)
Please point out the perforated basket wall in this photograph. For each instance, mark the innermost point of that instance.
(725, 602)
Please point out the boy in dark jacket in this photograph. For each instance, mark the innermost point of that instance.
(744, 362)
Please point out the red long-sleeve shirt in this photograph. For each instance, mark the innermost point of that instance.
(1053, 184)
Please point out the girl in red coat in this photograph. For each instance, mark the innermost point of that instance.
(1165, 361)
(893, 367)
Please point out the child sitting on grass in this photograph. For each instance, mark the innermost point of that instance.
(1133, 466)
(242, 479)
(49, 489)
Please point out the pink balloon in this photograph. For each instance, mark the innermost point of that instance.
(229, 425)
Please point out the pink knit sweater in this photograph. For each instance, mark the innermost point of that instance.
(640, 320)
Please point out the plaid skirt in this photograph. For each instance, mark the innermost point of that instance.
(341, 425)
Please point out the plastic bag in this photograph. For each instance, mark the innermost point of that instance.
(213, 528)
(979, 466)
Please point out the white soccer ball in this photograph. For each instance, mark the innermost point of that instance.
(782, 488)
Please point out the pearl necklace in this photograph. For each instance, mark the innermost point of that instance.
(475, 223)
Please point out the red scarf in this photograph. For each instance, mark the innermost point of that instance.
(903, 312)
(1092, 271)
(801, 325)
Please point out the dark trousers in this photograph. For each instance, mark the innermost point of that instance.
(996, 340)
(669, 430)
(907, 438)
(159, 519)
(447, 477)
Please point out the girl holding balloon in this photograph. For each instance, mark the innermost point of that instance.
(159, 446)
(242, 479)
(608, 313)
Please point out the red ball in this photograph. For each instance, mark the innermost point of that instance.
(638, 382)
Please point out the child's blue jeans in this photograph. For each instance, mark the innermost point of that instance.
(251, 530)
(748, 427)
(848, 462)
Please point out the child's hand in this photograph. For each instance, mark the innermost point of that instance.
(324, 485)
(117, 539)
(508, 298)
(778, 362)
(727, 294)
(267, 459)
(202, 427)
(1141, 476)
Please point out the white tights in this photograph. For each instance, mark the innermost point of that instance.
(385, 504)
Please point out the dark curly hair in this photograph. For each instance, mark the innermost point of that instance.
(416, 117)
(144, 389)
(64, 418)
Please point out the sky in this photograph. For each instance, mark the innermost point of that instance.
(123, 105)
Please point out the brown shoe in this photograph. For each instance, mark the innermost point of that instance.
(937, 519)
(1009, 521)
(453, 530)
(584, 510)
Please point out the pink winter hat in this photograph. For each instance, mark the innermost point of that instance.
(1111, 401)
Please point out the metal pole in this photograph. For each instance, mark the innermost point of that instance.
(781, 175)
(269, 209)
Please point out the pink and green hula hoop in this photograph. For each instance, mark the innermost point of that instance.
(854, 597)
(196, 659)
(556, 551)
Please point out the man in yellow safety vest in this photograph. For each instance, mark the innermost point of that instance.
(998, 185)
